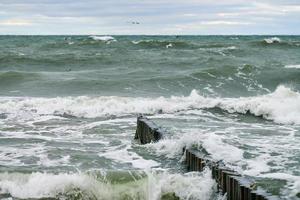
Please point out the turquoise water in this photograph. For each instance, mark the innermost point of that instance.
(68, 107)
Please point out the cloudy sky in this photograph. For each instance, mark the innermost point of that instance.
(153, 16)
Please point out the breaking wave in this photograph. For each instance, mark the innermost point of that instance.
(120, 185)
(281, 106)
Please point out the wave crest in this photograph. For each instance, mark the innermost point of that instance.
(281, 106)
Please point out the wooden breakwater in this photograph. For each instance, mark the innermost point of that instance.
(147, 131)
(236, 186)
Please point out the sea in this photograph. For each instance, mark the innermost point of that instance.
(69, 106)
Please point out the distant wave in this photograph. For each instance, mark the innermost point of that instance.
(216, 46)
(292, 66)
(17, 76)
(278, 42)
(281, 106)
(272, 40)
(85, 41)
(102, 38)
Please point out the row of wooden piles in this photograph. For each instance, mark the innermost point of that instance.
(231, 183)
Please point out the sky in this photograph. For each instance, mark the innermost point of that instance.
(149, 17)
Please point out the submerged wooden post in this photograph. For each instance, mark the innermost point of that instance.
(147, 131)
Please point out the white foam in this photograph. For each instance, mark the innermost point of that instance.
(257, 165)
(15, 156)
(102, 38)
(281, 106)
(45, 161)
(188, 186)
(125, 156)
(294, 182)
(211, 142)
(272, 40)
(292, 66)
(220, 150)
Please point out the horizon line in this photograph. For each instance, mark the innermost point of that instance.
(150, 34)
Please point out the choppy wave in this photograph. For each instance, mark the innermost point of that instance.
(281, 106)
(294, 182)
(15, 76)
(127, 186)
(152, 43)
(163, 44)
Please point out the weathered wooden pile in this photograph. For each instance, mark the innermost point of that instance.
(236, 186)
(147, 131)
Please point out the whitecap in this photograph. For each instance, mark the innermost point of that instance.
(272, 40)
(169, 45)
(103, 38)
(231, 48)
(135, 42)
(292, 66)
